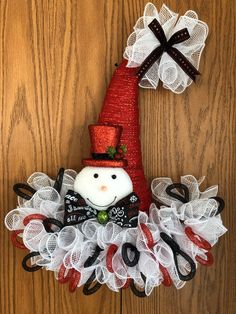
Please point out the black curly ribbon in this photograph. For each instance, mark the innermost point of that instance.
(59, 180)
(19, 189)
(30, 268)
(182, 198)
(124, 252)
(91, 259)
(221, 204)
(167, 46)
(89, 262)
(185, 197)
(177, 251)
(52, 221)
(86, 289)
(137, 292)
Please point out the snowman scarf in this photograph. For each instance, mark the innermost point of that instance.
(124, 213)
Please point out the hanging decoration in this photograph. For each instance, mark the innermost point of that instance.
(102, 225)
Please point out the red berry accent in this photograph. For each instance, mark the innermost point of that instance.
(166, 277)
(197, 240)
(15, 241)
(148, 235)
(120, 151)
(118, 156)
(205, 262)
(28, 218)
(61, 275)
(110, 253)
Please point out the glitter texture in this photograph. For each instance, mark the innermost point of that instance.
(121, 108)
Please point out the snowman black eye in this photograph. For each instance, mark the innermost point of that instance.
(113, 176)
(95, 175)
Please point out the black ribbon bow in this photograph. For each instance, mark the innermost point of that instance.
(167, 46)
(124, 213)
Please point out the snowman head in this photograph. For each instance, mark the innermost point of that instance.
(102, 187)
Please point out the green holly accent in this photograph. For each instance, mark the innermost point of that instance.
(117, 152)
(111, 152)
(102, 217)
(124, 148)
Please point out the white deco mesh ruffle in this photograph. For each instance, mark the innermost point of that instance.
(142, 42)
(72, 245)
(198, 213)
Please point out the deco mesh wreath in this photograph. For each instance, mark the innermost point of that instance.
(99, 226)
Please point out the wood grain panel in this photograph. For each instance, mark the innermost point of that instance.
(194, 133)
(56, 60)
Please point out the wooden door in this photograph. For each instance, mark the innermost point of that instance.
(56, 60)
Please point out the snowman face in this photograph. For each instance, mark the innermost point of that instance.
(102, 187)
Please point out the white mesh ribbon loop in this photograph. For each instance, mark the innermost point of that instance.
(200, 213)
(38, 180)
(14, 219)
(142, 42)
(163, 254)
(73, 245)
(32, 235)
(119, 267)
(68, 237)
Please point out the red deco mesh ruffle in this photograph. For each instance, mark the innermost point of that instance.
(121, 108)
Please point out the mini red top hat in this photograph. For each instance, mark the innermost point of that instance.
(102, 138)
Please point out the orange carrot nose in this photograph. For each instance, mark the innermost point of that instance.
(103, 188)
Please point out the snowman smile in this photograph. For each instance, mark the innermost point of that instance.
(102, 205)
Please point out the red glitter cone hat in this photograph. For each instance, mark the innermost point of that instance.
(121, 108)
